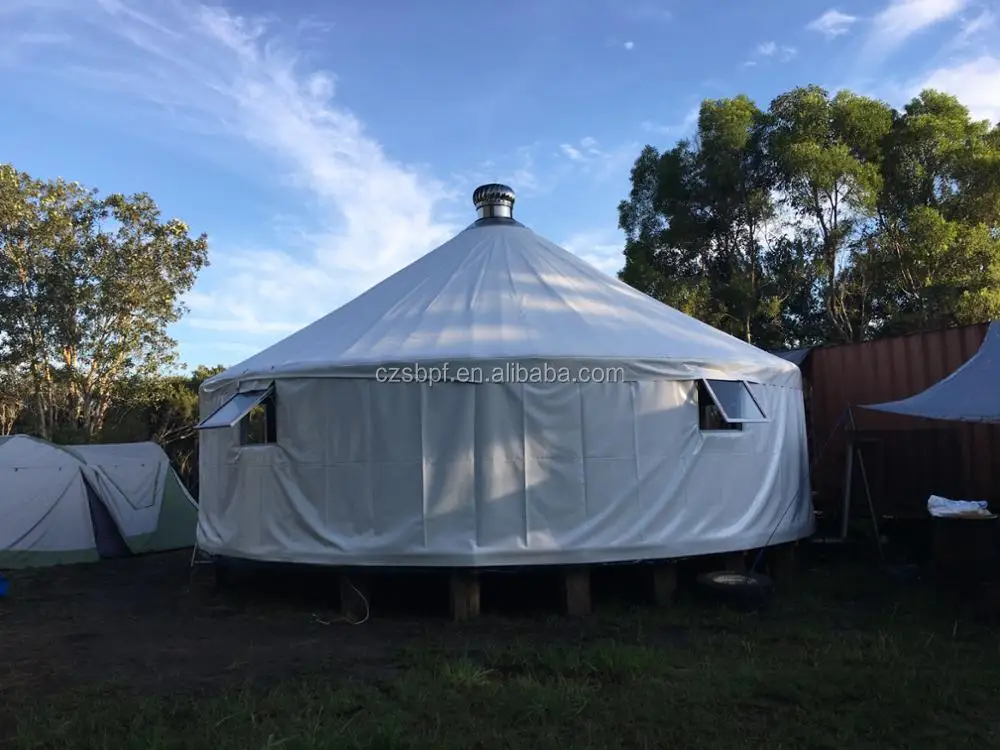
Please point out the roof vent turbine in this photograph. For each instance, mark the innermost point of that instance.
(494, 201)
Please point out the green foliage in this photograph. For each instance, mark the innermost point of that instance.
(164, 410)
(823, 219)
(88, 288)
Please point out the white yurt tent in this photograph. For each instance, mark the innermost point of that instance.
(70, 504)
(501, 402)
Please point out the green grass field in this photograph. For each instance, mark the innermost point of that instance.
(842, 660)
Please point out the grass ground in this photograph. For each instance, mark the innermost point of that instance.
(843, 659)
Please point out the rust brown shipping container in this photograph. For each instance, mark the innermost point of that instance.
(905, 459)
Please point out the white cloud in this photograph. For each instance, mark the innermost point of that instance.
(832, 23)
(682, 129)
(597, 162)
(599, 248)
(773, 49)
(368, 214)
(571, 151)
(900, 20)
(972, 27)
(516, 169)
(642, 12)
(976, 83)
(629, 45)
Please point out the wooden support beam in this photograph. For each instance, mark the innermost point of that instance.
(576, 582)
(664, 582)
(464, 594)
(355, 594)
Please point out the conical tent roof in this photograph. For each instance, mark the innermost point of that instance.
(498, 291)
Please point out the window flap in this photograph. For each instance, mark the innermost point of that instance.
(735, 401)
(233, 410)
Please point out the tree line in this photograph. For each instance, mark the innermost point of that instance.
(821, 219)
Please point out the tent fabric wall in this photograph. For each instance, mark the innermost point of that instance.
(142, 492)
(68, 504)
(43, 505)
(969, 394)
(498, 474)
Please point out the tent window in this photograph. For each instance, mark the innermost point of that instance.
(254, 411)
(258, 427)
(727, 405)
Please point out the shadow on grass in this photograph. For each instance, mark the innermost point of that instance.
(843, 659)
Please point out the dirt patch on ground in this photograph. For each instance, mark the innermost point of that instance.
(148, 623)
(155, 624)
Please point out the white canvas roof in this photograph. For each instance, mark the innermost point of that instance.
(498, 291)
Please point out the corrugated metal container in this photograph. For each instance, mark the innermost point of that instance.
(905, 459)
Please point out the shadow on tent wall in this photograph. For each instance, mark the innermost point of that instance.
(906, 459)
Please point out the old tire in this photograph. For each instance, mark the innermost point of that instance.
(746, 592)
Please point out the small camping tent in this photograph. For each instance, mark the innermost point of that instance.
(69, 504)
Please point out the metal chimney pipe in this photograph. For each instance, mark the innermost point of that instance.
(494, 201)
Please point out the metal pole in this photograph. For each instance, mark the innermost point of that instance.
(845, 513)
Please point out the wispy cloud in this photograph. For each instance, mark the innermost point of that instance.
(597, 161)
(681, 129)
(900, 20)
(976, 83)
(643, 12)
(772, 50)
(366, 214)
(833, 23)
(973, 27)
(517, 169)
(629, 45)
(600, 248)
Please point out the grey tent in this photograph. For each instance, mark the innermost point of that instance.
(69, 504)
(970, 394)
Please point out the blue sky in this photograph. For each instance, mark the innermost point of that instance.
(322, 146)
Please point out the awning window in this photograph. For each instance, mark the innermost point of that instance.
(235, 409)
(735, 401)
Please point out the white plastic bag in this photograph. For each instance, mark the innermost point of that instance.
(942, 507)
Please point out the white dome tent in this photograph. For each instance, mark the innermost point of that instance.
(66, 504)
(500, 402)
